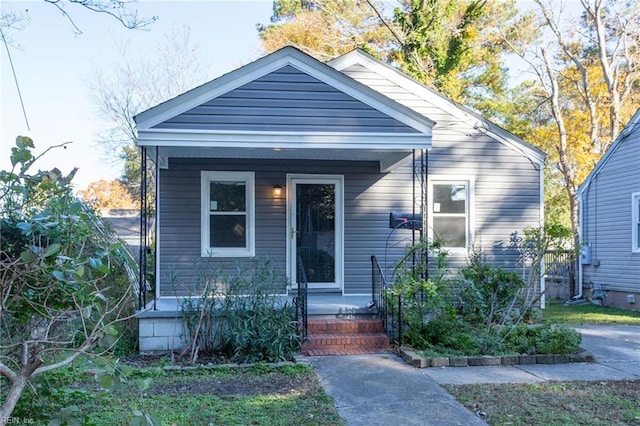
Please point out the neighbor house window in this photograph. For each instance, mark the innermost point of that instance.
(227, 214)
(635, 215)
(449, 211)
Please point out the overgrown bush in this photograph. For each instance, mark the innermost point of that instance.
(489, 295)
(242, 317)
(65, 287)
(424, 296)
(541, 339)
(477, 313)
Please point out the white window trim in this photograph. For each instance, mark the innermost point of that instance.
(445, 179)
(635, 219)
(206, 249)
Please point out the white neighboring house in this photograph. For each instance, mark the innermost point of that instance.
(610, 223)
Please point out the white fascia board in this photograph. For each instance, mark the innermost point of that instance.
(286, 56)
(283, 140)
(462, 113)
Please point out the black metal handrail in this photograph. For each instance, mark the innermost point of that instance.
(391, 321)
(301, 299)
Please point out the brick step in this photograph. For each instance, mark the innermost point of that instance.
(344, 326)
(342, 344)
(329, 352)
(369, 340)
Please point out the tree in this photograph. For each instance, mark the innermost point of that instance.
(586, 78)
(325, 29)
(58, 294)
(121, 10)
(111, 194)
(122, 90)
(445, 44)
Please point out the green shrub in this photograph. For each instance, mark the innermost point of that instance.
(559, 340)
(541, 339)
(522, 339)
(243, 318)
(489, 294)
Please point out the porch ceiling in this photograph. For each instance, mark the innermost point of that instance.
(388, 159)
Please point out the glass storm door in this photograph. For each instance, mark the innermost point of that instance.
(316, 229)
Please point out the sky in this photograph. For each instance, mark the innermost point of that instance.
(53, 66)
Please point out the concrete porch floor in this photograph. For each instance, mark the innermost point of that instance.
(318, 304)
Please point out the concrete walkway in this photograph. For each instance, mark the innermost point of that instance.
(383, 389)
(373, 390)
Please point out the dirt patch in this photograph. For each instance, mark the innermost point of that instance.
(240, 383)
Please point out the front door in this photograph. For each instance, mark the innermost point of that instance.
(315, 229)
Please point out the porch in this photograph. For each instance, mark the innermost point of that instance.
(161, 326)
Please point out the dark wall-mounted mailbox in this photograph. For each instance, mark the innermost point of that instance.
(405, 221)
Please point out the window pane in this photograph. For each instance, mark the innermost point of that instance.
(452, 229)
(449, 198)
(228, 196)
(227, 231)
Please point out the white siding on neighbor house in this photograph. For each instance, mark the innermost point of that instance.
(607, 219)
(286, 100)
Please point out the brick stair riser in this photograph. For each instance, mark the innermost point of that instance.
(343, 342)
(344, 327)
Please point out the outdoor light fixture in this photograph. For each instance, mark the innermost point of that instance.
(277, 191)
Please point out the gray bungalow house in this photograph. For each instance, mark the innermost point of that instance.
(610, 223)
(330, 163)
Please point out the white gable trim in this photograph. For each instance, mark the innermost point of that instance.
(256, 139)
(270, 63)
(460, 112)
(633, 124)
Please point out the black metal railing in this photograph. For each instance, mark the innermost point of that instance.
(301, 299)
(380, 292)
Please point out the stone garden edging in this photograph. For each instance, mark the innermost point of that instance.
(412, 358)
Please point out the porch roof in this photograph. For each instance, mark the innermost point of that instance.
(286, 105)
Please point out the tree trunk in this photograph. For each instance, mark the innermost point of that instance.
(15, 391)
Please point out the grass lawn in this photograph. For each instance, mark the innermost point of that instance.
(553, 403)
(588, 313)
(258, 395)
(560, 403)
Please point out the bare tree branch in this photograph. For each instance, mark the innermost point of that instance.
(118, 9)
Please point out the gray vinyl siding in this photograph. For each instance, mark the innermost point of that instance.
(607, 219)
(286, 100)
(507, 184)
(506, 197)
(369, 196)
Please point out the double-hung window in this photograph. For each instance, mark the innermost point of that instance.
(449, 212)
(635, 217)
(228, 222)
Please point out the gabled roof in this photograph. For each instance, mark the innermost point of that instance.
(287, 56)
(632, 126)
(462, 113)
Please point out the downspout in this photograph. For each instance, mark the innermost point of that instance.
(581, 207)
(543, 284)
